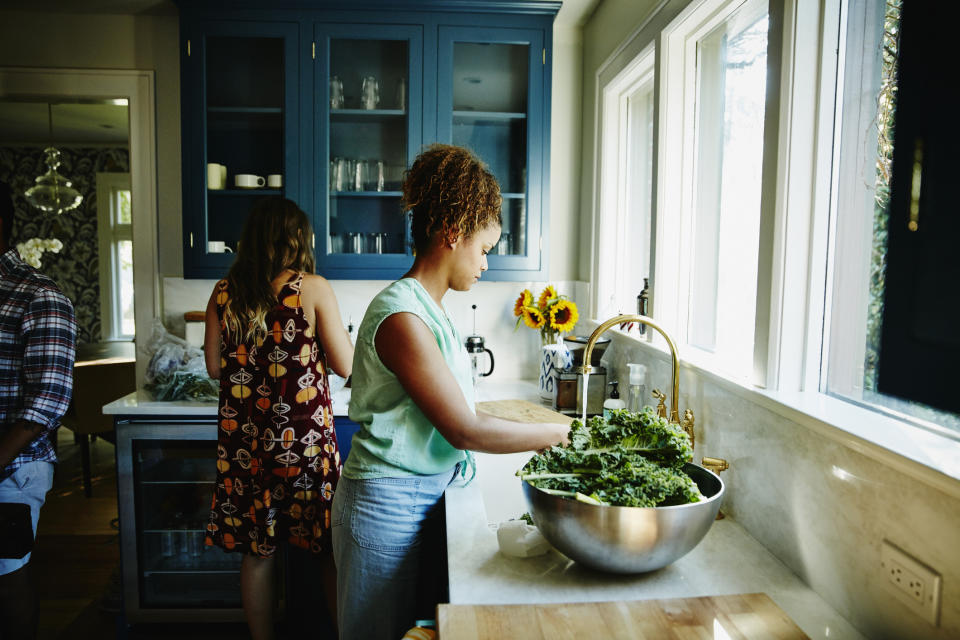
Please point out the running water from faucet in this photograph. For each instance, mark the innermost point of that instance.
(586, 386)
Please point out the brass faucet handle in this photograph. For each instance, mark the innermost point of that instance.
(661, 404)
(715, 464)
(687, 424)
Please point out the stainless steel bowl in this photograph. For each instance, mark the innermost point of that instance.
(626, 539)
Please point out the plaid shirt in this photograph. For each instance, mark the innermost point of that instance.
(37, 341)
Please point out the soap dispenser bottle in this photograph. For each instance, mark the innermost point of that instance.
(638, 386)
(614, 402)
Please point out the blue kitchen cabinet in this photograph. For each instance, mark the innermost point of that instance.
(493, 97)
(340, 101)
(240, 101)
(367, 88)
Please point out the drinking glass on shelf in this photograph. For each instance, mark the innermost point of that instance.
(504, 246)
(376, 242)
(369, 93)
(336, 93)
(402, 94)
(354, 243)
(361, 175)
(375, 175)
(342, 178)
(336, 243)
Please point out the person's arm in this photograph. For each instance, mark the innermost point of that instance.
(329, 327)
(49, 335)
(211, 337)
(409, 349)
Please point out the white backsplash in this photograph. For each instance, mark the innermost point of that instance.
(516, 352)
(822, 507)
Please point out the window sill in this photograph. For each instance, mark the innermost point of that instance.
(932, 458)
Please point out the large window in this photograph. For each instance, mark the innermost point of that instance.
(865, 136)
(700, 162)
(115, 234)
(747, 170)
(625, 220)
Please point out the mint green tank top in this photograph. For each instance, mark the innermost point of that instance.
(395, 438)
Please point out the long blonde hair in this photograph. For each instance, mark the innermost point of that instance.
(276, 236)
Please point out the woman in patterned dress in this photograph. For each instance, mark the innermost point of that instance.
(272, 331)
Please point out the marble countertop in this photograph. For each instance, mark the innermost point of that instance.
(141, 403)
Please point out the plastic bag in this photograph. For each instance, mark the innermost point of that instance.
(177, 369)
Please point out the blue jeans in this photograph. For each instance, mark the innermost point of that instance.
(383, 531)
(29, 484)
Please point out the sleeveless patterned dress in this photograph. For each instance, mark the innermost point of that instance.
(277, 457)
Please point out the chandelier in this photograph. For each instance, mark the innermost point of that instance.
(52, 192)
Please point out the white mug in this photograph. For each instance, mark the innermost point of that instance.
(274, 180)
(218, 246)
(248, 181)
(216, 176)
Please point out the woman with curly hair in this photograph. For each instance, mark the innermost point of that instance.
(413, 398)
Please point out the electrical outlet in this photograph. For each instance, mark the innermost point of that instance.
(914, 583)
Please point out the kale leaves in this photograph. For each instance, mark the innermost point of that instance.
(632, 460)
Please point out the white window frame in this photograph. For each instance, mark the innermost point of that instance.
(676, 186)
(615, 255)
(110, 232)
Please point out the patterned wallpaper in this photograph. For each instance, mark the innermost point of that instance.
(76, 267)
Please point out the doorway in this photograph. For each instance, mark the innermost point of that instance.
(77, 86)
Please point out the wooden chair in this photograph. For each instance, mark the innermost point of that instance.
(96, 383)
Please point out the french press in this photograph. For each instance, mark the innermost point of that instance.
(475, 348)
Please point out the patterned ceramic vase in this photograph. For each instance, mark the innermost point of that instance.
(554, 358)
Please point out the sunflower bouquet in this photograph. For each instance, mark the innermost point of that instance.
(553, 314)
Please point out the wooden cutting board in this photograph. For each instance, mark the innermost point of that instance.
(745, 616)
(522, 411)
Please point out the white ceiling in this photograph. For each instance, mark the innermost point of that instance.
(24, 122)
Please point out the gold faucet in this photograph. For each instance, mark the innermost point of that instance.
(714, 464)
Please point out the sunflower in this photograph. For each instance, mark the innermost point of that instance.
(525, 300)
(533, 318)
(546, 296)
(563, 315)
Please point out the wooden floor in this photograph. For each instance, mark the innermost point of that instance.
(77, 557)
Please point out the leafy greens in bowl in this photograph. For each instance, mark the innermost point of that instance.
(632, 460)
(622, 496)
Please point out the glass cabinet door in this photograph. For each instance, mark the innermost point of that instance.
(173, 487)
(246, 122)
(490, 95)
(370, 108)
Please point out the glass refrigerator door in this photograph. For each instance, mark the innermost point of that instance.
(173, 488)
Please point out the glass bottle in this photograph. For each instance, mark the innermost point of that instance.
(643, 304)
(638, 387)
